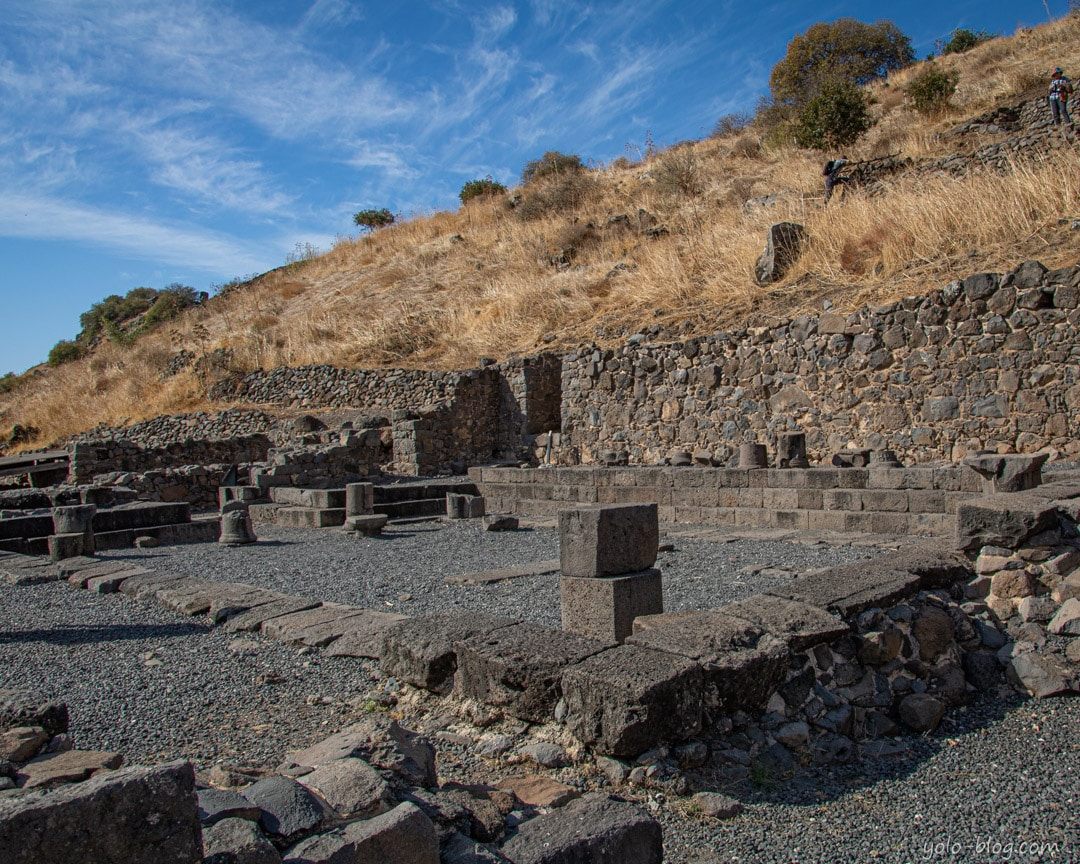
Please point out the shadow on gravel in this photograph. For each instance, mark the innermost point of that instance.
(812, 785)
(104, 633)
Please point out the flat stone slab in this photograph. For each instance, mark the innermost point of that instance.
(284, 628)
(253, 618)
(28, 570)
(519, 668)
(486, 577)
(359, 635)
(421, 652)
(851, 588)
(196, 598)
(799, 624)
(405, 835)
(627, 700)
(71, 766)
(1003, 520)
(742, 663)
(218, 804)
(223, 608)
(138, 816)
(539, 790)
(80, 577)
(141, 587)
(596, 828)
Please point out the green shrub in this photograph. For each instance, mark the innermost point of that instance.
(844, 51)
(550, 164)
(65, 351)
(481, 188)
(835, 118)
(370, 220)
(963, 40)
(170, 302)
(930, 91)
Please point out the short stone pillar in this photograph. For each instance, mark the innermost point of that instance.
(464, 506)
(885, 459)
(608, 579)
(791, 450)
(78, 519)
(359, 499)
(236, 527)
(753, 456)
(1011, 472)
(63, 546)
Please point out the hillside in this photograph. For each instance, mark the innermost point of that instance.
(663, 244)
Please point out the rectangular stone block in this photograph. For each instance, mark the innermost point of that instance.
(847, 500)
(310, 517)
(799, 624)
(359, 498)
(780, 499)
(608, 541)
(826, 520)
(888, 500)
(698, 496)
(748, 497)
(853, 588)
(809, 499)
(798, 520)
(748, 518)
(286, 628)
(605, 608)
(464, 506)
(926, 501)
(850, 478)
(420, 651)
(519, 668)
(626, 700)
(731, 478)
(359, 635)
(742, 664)
(890, 523)
(787, 478)
(718, 516)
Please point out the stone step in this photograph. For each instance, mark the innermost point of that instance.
(310, 517)
(413, 508)
(322, 499)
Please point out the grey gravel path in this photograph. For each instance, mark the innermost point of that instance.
(413, 562)
(157, 685)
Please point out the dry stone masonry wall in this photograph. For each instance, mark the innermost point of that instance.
(989, 362)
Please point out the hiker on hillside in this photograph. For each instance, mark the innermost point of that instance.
(1060, 90)
(832, 175)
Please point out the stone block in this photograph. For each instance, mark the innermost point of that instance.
(370, 525)
(287, 628)
(130, 816)
(780, 499)
(888, 500)
(351, 787)
(605, 608)
(464, 506)
(420, 651)
(247, 494)
(72, 545)
(746, 517)
(742, 663)
(1003, 520)
(596, 828)
(310, 517)
(608, 541)
(847, 500)
(317, 499)
(519, 668)
(626, 700)
(797, 520)
(359, 498)
(405, 835)
(927, 501)
(799, 624)
(254, 617)
(741, 497)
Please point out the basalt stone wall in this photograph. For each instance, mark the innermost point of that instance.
(912, 501)
(989, 362)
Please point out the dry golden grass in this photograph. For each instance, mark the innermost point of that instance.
(444, 290)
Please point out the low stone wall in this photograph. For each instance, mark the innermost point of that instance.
(990, 362)
(917, 501)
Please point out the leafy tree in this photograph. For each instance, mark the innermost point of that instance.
(931, 90)
(963, 40)
(834, 118)
(372, 219)
(551, 163)
(481, 188)
(65, 351)
(846, 51)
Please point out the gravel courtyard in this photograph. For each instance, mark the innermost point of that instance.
(995, 782)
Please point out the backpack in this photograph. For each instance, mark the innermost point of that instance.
(828, 168)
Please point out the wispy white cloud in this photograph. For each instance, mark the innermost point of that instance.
(330, 13)
(42, 217)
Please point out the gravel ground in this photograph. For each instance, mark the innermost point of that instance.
(413, 562)
(996, 782)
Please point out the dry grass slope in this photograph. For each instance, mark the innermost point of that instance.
(445, 290)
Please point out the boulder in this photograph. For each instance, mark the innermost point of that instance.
(130, 816)
(783, 245)
(597, 829)
(237, 841)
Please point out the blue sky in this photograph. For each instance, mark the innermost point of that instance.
(194, 141)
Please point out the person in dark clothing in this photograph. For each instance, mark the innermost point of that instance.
(832, 175)
(1060, 90)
